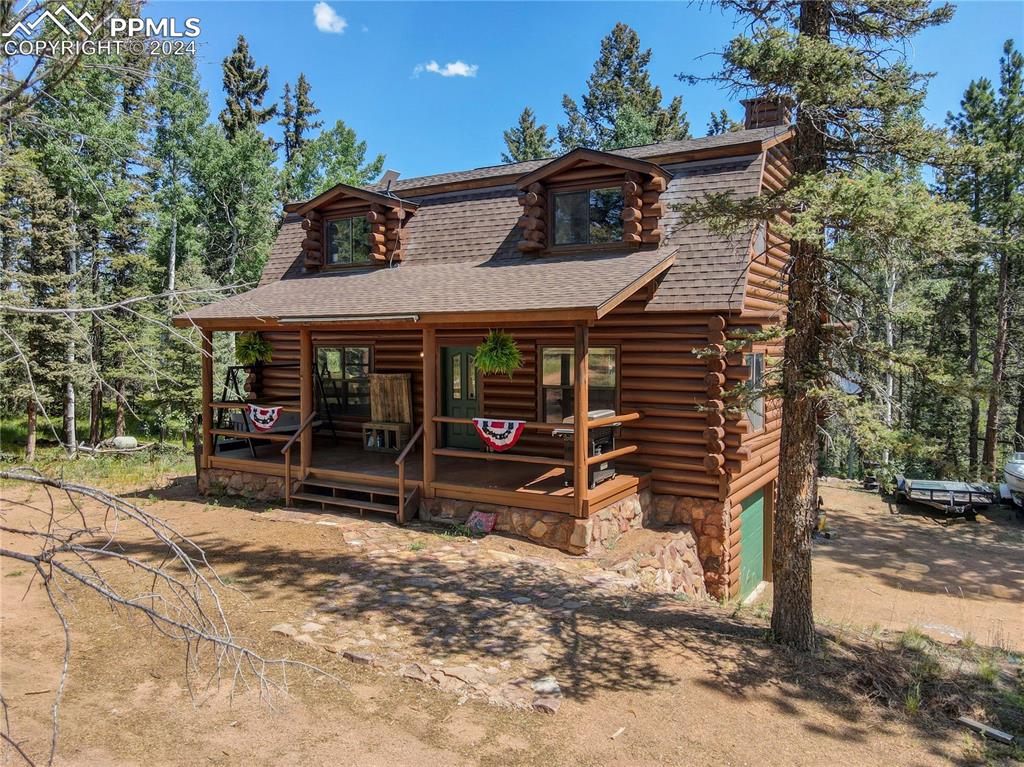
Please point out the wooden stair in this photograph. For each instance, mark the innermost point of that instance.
(353, 495)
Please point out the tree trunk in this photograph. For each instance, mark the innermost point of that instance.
(972, 367)
(96, 332)
(988, 457)
(70, 428)
(890, 380)
(120, 385)
(172, 255)
(792, 616)
(30, 430)
(1018, 431)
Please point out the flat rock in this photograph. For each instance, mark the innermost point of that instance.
(357, 657)
(547, 686)
(415, 671)
(465, 674)
(547, 705)
(311, 627)
(286, 629)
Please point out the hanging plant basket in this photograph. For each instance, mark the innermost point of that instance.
(498, 355)
(252, 349)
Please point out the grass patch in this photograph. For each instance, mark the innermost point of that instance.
(14, 573)
(417, 546)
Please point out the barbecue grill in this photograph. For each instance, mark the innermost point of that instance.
(601, 440)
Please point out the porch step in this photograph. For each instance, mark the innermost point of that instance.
(347, 503)
(353, 487)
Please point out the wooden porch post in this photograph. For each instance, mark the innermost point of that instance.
(207, 396)
(306, 403)
(429, 409)
(581, 396)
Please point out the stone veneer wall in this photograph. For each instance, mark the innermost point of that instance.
(260, 487)
(708, 519)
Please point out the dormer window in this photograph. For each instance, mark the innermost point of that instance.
(587, 217)
(347, 241)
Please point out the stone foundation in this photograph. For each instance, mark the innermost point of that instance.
(663, 562)
(709, 520)
(706, 521)
(259, 487)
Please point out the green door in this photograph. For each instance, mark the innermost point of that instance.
(459, 395)
(751, 543)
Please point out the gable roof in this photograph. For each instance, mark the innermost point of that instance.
(461, 252)
(577, 156)
(347, 190)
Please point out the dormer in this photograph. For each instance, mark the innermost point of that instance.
(590, 200)
(347, 226)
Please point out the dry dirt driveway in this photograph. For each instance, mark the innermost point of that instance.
(645, 680)
(953, 580)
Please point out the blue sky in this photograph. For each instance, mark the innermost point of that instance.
(375, 72)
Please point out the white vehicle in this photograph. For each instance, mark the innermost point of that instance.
(1013, 473)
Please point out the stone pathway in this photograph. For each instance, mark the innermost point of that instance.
(483, 618)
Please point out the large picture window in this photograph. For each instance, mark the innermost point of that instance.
(755, 410)
(348, 241)
(588, 217)
(558, 377)
(345, 373)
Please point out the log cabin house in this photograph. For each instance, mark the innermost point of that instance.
(615, 303)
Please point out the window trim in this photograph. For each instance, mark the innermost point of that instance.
(344, 413)
(541, 415)
(323, 234)
(760, 399)
(556, 189)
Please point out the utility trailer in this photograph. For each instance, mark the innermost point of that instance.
(959, 499)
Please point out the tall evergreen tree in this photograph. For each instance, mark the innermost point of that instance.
(620, 88)
(827, 56)
(527, 140)
(720, 122)
(245, 86)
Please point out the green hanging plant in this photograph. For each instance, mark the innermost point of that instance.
(252, 349)
(498, 355)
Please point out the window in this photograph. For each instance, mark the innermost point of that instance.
(348, 241)
(755, 409)
(345, 374)
(558, 377)
(589, 217)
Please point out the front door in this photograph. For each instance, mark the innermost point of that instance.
(460, 388)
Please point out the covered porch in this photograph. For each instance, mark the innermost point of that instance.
(322, 468)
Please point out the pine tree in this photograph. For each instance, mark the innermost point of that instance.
(825, 55)
(35, 225)
(527, 140)
(296, 122)
(245, 86)
(305, 111)
(620, 88)
(720, 122)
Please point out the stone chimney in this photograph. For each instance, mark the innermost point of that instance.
(763, 112)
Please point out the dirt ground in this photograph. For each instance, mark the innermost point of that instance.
(952, 579)
(650, 681)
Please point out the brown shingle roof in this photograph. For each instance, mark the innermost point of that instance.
(461, 253)
(443, 287)
(646, 152)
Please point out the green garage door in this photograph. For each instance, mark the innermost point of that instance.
(751, 543)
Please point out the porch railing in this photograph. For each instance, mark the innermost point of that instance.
(400, 463)
(286, 451)
(543, 459)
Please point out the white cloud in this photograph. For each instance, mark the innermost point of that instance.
(458, 68)
(327, 19)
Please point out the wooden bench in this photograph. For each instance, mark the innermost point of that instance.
(385, 437)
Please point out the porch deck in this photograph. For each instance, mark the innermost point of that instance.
(498, 482)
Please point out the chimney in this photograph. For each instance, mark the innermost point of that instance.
(765, 111)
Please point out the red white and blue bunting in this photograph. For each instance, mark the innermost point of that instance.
(263, 418)
(498, 435)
